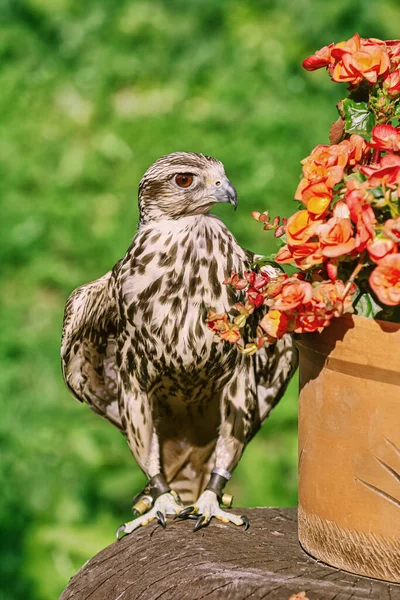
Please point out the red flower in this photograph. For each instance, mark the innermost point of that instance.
(391, 83)
(386, 172)
(307, 322)
(294, 293)
(254, 297)
(393, 50)
(385, 280)
(386, 137)
(322, 58)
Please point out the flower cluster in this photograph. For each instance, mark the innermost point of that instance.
(295, 305)
(359, 60)
(345, 237)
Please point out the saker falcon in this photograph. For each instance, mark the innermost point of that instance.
(137, 350)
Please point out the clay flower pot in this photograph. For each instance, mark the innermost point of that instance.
(349, 446)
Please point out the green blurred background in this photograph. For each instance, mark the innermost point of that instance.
(91, 94)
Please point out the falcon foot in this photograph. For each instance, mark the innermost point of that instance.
(166, 504)
(206, 508)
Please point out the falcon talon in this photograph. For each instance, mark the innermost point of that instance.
(184, 514)
(120, 530)
(199, 523)
(246, 522)
(161, 519)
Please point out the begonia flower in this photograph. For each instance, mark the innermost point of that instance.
(391, 83)
(387, 172)
(336, 237)
(381, 247)
(294, 293)
(385, 280)
(386, 137)
(275, 323)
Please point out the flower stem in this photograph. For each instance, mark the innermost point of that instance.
(352, 277)
(375, 156)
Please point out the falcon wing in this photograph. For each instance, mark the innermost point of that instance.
(274, 366)
(88, 349)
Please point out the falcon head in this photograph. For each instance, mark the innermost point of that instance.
(182, 184)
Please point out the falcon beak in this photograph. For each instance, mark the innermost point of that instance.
(225, 192)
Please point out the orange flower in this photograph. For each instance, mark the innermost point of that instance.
(385, 280)
(391, 83)
(307, 255)
(326, 156)
(275, 323)
(381, 247)
(217, 321)
(356, 60)
(336, 237)
(231, 335)
(317, 198)
(359, 59)
(284, 255)
(350, 47)
(357, 148)
(294, 293)
(317, 173)
(300, 228)
(386, 172)
(328, 296)
(386, 137)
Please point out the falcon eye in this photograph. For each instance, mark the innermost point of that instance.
(184, 180)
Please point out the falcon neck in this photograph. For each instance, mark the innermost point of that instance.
(191, 223)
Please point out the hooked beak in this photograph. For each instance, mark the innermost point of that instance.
(225, 192)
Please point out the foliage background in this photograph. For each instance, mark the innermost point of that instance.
(91, 94)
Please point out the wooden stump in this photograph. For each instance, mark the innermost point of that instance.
(221, 561)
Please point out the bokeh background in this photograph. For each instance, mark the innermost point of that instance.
(91, 93)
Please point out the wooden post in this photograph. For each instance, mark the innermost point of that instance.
(220, 561)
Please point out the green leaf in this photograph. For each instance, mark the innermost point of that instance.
(367, 305)
(358, 118)
(261, 261)
(397, 110)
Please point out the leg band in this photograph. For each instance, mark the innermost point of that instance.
(216, 484)
(156, 486)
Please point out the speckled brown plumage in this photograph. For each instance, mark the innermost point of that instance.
(136, 347)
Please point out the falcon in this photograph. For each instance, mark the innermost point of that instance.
(137, 350)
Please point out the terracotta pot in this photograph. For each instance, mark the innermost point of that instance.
(349, 446)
